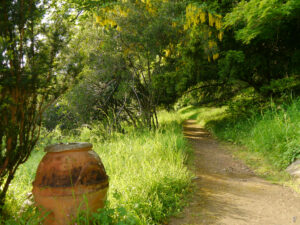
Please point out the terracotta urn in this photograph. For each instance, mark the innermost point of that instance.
(70, 178)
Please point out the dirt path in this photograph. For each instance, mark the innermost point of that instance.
(227, 192)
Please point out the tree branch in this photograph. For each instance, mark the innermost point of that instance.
(204, 86)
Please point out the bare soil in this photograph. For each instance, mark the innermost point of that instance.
(228, 192)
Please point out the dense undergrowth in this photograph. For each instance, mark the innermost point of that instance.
(273, 133)
(147, 170)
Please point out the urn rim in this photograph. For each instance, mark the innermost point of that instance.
(61, 147)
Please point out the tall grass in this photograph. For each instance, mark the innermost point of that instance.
(274, 133)
(147, 171)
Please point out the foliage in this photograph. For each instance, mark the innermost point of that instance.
(130, 47)
(29, 216)
(262, 19)
(147, 170)
(272, 133)
(32, 76)
(203, 115)
(269, 31)
(141, 55)
(254, 43)
(134, 58)
(106, 216)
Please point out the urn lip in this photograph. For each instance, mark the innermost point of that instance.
(61, 147)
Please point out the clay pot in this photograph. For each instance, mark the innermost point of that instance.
(70, 178)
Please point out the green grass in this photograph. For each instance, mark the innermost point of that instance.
(203, 114)
(268, 141)
(147, 171)
(274, 133)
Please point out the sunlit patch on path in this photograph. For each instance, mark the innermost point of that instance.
(227, 191)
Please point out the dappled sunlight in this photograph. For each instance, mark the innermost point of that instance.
(152, 85)
(194, 131)
(228, 192)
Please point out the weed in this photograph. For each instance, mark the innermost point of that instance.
(147, 170)
(271, 135)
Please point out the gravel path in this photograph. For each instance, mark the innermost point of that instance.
(228, 192)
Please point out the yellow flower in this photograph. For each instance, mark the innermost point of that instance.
(216, 56)
(202, 16)
(211, 44)
(220, 35)
(218, 24)
(211, 20)
(167, 52)
(98, 19)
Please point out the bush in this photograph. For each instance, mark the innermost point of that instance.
(274, 133)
